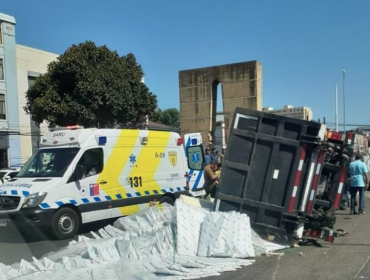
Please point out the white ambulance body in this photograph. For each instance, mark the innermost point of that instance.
(84, 175)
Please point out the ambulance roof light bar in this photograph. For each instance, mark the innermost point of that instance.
(69, 127)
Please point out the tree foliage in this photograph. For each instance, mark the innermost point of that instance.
(170, 117)
(92, 86)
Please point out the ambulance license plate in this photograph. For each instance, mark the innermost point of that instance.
(198, 193)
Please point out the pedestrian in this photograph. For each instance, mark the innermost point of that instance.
(214, 155)
(358, 180)
(210, 177)
(218, 156)
(218, 173)
(207, 156)
(221, 155)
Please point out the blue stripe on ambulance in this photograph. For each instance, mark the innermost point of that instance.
(15, 193)
(94, 199)
(200, 175)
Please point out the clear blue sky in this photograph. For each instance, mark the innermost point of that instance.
(303, 45)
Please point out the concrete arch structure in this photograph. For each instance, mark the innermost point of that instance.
(241, 85)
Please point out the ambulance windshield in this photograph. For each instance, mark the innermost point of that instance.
(49, 163)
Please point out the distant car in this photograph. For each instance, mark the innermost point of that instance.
(7, 174)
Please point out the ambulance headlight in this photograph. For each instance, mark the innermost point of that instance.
(34, 200)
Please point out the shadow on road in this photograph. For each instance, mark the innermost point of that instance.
(17, 244)
(31, 234)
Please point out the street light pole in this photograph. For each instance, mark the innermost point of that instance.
(336, 108)
(344, 101)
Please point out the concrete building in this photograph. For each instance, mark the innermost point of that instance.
(19, 67)
(10, 149)
(31, 63)
(303, 113)
(241, 85)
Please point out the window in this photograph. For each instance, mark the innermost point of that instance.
(92, 162)
(1, 35)
(2, 107)
(51, 162)
(1, 69)
(12, 174)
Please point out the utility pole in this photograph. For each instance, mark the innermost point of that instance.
(336, 108)
(344, 101)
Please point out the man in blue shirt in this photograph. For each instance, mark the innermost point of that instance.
(207, 156)
(358, 180)
(214, 155)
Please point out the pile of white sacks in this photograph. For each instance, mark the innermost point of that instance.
(165, 242)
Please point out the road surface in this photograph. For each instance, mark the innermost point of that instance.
(347, 258)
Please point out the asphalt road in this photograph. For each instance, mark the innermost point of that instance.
(15, 245)
(347, 258)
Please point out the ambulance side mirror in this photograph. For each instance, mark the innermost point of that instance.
(195, 157)
(79, 172)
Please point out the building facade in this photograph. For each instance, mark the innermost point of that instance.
(19, 68)
(31, 63)
(10, 149)
(302, 113)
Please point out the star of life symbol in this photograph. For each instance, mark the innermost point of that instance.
(195, 158)
(133, 160)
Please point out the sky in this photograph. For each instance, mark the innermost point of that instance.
(303, 45)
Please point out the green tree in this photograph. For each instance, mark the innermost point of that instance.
(170, 117)
(91, 86)
(157, 116)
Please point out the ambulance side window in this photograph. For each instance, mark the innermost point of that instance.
(92, 162)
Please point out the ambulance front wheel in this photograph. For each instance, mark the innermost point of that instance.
(65, 223)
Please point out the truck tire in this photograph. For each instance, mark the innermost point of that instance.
(167, 199)
(346, 157)
(65, 223)
(344, 203)
(331, 145)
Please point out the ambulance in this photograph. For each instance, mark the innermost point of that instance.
(83, 175)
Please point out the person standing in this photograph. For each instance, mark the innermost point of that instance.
(214, 155)
(210, 177)
(222, 155)
(207, 156)
(358, 180)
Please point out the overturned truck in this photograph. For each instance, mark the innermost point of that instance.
(287, 175)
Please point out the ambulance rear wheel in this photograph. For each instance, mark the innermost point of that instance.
(167, 199)
(65, 223)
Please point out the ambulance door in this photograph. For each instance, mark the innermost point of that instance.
(195, 175)
(171, 173)
(94, 202)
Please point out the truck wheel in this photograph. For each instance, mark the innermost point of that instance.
(346, 157)
(64, 223)
(344, 204)
(167, 199)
